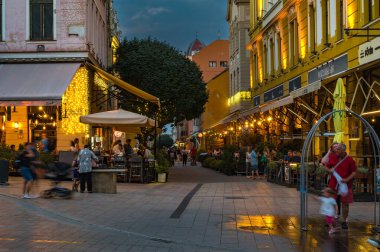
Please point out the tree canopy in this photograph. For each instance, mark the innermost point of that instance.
(162, 71)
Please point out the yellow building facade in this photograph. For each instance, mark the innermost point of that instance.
(298, 50)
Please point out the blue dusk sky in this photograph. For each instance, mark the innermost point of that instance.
(176, 22)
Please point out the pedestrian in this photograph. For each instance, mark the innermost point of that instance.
(346, 169)
(329, 208)
(26, 157)
(329, 160)
(254, 164)
(85, 158)
(75, 173)
(184, 157)
(248, 162)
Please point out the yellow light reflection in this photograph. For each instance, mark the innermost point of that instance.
(53, 241)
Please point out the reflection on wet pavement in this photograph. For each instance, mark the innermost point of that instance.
(315, 239)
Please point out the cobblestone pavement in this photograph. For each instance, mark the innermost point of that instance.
(197, 210)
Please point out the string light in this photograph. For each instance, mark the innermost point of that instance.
(76, 103)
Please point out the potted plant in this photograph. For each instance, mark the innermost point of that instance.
(362, 172)
(272, 167)
(5, 159)
(320, 174)
(161, 166)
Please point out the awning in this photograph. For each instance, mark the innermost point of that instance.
(279, 103)
(124, 85)
(248, 112)
(35, 84)
(306, 89)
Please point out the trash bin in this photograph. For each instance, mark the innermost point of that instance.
(4, 170)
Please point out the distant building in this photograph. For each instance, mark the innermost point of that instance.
(194, 47)
(211, 60)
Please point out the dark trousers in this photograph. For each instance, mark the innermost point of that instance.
(184, 159)
(85, 178)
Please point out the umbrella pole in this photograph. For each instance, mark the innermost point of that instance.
(155, 135)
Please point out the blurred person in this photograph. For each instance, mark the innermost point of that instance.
(254, 163)
(117, 148)
(193, 153)
(184, 157)
(329, 208)
(248, 162)
(76, 144)
(346, 169)
(75, 173)
(26, 157)
(45, 144)
(72, 146)
(85, 158)
(128, 150)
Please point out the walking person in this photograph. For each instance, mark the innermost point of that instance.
(346, 169)
(26, 157)
(184, 157)
(248, 162)
(329, 208)
(254, 164)
(85, 158)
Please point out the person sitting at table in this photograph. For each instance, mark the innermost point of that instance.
(117, 148)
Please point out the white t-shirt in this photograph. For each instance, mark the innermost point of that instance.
(248, 157)
(328, 206)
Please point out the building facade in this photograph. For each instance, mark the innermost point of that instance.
(239, 89)
(298, 51)
(50, 51)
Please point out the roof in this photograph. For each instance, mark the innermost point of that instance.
(195, 47)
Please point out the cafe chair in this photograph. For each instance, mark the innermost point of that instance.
(136, 169)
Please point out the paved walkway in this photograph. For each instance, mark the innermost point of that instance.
(197, 210)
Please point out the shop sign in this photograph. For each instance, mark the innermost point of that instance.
(328, 69)
(369, 51)
(294, 84)
(274, 93)
(256, 101)
(306, 89)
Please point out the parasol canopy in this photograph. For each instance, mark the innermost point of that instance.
(120, 119)
(339, 104)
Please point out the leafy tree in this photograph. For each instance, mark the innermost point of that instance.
(164, 72)
(164, 140)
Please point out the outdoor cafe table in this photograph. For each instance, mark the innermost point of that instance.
(105, 180)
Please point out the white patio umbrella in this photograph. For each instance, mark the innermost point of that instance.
(120, 119)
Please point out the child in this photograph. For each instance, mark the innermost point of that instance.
(75, 173)
(329, 208)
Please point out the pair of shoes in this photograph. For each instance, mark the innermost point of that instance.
(344, 225)
(27, 196)
(248, 176)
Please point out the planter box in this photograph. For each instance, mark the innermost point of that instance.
(161, 177)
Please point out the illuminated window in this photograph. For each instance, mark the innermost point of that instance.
(41, 19)
(212, 64)
(293, 42)
(312, 29)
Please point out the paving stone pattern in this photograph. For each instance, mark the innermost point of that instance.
(226, 213)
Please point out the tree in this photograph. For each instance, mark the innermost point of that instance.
(162, 71)
(164, 140)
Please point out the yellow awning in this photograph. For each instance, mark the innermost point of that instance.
(124, 85)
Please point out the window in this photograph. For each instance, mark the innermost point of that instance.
(212, 64)
(265, 62)
(325, 22)
(271, 57)
(255, 69)
(312, 29)
(279, 53)
(41, 19)
(340, 17)
(223, 64)
(293, 42)
(371, 10)
(1, 20)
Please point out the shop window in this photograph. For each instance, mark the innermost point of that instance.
(212, 64)
(41, 19)
(293, 42)
(223, 64)
(312, 29)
